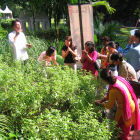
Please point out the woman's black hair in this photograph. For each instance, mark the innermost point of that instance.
(106, 38)
(69, 38)
(117, 45)
(137, 34)
(90, 46)
(115, 56)
(106, 75)
(112, 44)
(50, 50)
(14, 22)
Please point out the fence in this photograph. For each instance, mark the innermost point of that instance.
(38, 24)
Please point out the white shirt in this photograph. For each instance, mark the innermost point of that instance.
(19, 46)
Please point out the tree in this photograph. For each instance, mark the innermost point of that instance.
(97, 3)
(125, 10)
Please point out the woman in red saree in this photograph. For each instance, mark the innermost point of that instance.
(121, 92)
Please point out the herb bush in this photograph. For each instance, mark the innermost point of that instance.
(51, 33)
(57, 107)
(3, 33)
(39, 45)
(6, 24)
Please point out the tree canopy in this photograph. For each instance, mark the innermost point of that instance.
(127, 13)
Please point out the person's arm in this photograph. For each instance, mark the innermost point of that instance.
(99, 102)
(82, 58)
(15, 38)
(111, 101)
(74, 53)
(128, 55)
(123, 70)
(24, 41)
(101, 56)
(87, 56)
(42, 56)
(16, 35)
(65, 53)
(11, 39)
(129, 45)
(54, 59)
(54, 62)
(28, 45)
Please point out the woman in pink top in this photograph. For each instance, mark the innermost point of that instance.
(89, 56)
(47, 56)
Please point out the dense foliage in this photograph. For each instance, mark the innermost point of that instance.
(6, 24)
(50, 103)
(127, 11)
(3, 33)
(58, 106)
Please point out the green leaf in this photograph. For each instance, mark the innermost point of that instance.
(106, 4)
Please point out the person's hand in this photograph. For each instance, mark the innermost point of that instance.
(84, 52)
(17, 33)
(98, 102)
(69, 49)
(131, 39)
(29, 45)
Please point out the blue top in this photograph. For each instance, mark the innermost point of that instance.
(128, 46)
(133, 57)
(120, 50)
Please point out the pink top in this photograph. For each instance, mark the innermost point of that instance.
(127, 105)
(89, 66)
(43, 57)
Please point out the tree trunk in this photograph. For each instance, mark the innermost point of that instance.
(34, 21)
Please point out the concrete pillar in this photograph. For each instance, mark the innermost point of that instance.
(23, 25)
(43, 25)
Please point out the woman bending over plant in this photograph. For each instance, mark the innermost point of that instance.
(121, 92)
(48, 56)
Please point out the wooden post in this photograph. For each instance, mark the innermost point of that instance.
(81, 27)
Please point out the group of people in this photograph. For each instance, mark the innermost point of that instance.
(116, 71)
(129, 67)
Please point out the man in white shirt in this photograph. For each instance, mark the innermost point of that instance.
(18, 42)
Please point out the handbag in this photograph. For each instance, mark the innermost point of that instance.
(97, 64)
(75, 59)
(136, 87)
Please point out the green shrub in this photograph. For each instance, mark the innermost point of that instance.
(6, 24)
(40, 45)
(3, 33)
(56, 107)
(50, 35)
(54, 125)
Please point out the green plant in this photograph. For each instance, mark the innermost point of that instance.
(3, 33)
(58, 106)
(5, 126)
(55, 107)
(112, 29)
(6, 24)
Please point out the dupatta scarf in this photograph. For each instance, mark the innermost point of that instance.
(127, 109)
